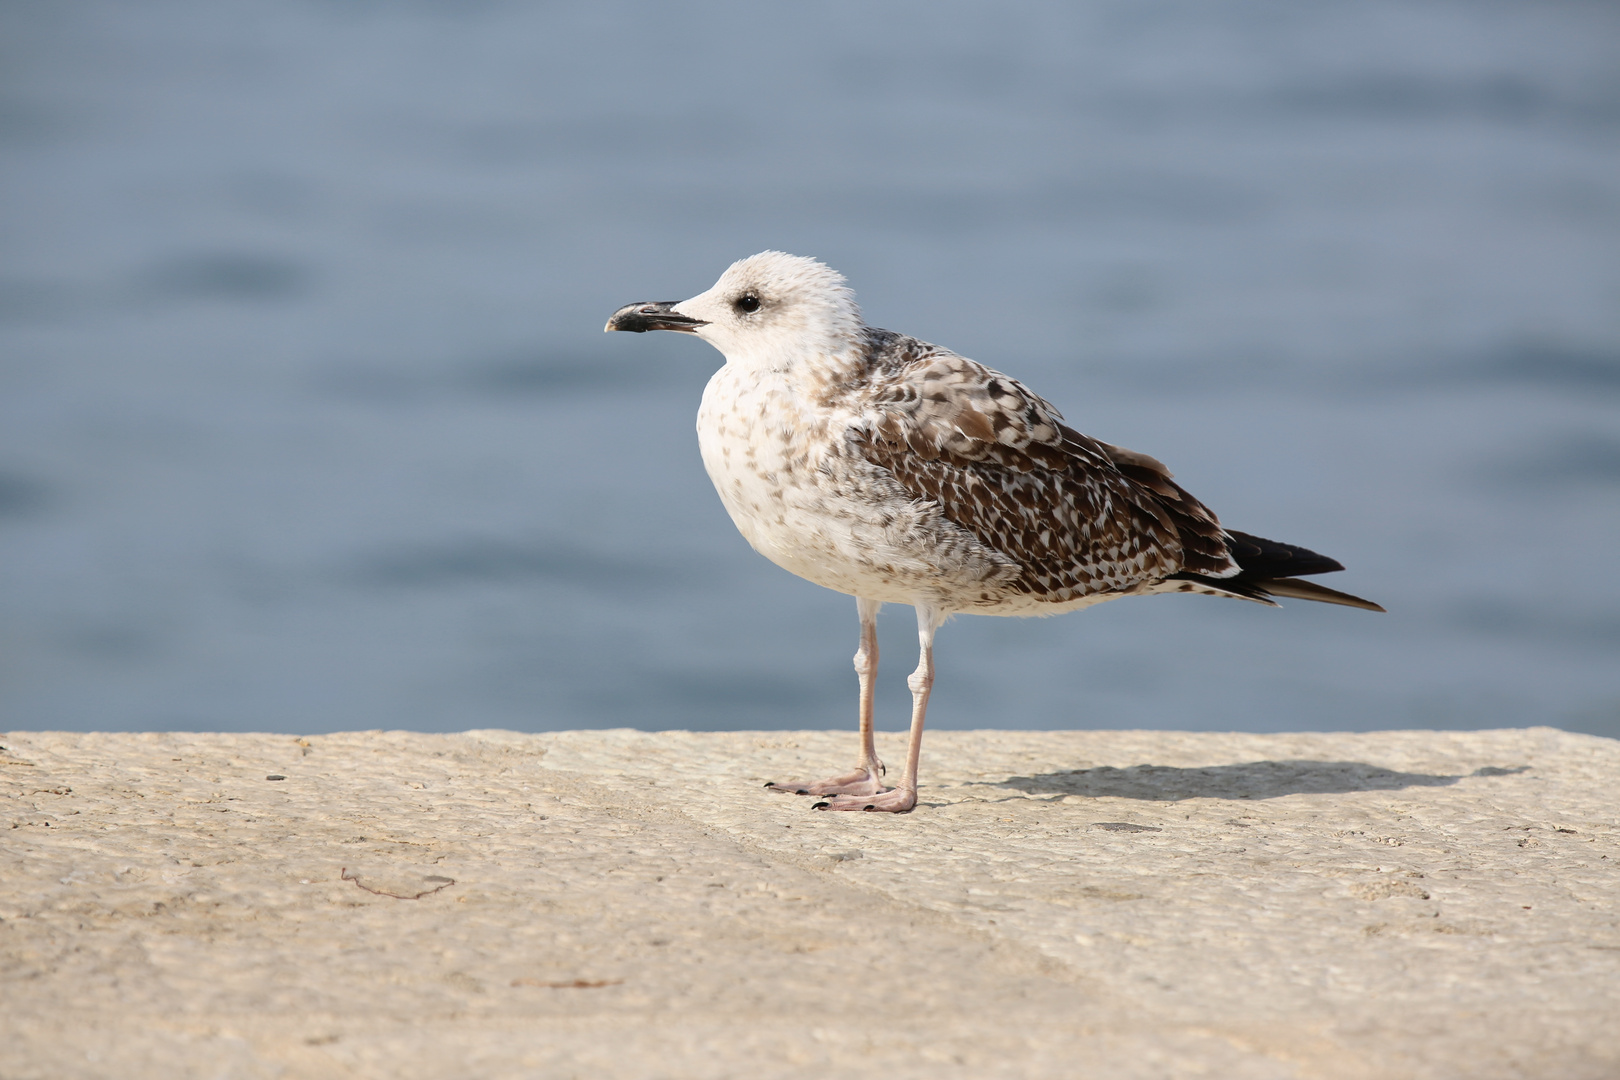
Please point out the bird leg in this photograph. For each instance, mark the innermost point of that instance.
(903, 797)
(867, 777)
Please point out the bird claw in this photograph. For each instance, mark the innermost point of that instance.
(894, 801)
(861, 782)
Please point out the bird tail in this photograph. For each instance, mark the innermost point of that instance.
(1271, 568)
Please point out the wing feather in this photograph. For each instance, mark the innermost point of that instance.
(1080, 517)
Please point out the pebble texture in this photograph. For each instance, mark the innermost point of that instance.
(604, 904)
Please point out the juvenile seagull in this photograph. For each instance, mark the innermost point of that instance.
(899, 472)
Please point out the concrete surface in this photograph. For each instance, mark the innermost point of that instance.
(605, 904)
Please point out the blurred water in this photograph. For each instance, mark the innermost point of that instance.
(307, 422)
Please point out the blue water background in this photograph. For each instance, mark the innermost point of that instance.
(307, 421)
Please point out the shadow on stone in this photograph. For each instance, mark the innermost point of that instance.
(1251, 780)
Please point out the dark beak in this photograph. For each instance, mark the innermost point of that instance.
(640, 318)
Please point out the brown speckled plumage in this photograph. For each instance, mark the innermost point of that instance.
(1079, 517)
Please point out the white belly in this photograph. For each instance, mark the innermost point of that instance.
(804, 501)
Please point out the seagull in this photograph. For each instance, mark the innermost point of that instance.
(899, 472)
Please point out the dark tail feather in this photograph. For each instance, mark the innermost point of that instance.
(1309, 590)
(1271, 568)
(1262, 558)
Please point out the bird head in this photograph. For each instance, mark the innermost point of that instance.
(770, 309)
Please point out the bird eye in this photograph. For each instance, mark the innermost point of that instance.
(748, 303)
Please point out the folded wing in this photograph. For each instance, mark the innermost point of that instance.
(1079, 516)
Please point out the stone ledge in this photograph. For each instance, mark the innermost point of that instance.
(1099, 904)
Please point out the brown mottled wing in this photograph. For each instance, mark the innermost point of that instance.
(1204, 544)
(1079, 516)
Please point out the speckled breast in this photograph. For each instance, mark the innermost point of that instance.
(805, 500)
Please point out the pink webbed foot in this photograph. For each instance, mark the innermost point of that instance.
(860, 782)
(895, 801)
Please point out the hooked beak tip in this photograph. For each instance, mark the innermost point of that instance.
(659, 315)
